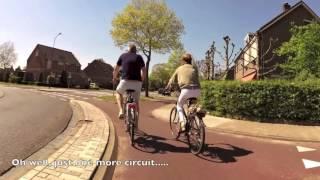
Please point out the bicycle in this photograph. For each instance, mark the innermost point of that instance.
(195, 127)
(130, 112)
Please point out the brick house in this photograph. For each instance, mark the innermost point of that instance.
(100, 73)
(45, 60)
(257, 59)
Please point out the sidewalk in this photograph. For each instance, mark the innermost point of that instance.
(1, 94)
(254, 129)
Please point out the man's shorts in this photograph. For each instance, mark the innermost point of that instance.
(130, 84)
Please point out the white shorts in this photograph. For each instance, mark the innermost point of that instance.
(130, 84)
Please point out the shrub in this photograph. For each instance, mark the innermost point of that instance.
(276, 101)
(13, 78)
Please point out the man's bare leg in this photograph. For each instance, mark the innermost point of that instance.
(120, 104)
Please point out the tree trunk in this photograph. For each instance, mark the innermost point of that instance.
(147, 76)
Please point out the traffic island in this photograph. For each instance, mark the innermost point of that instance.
(88, 139)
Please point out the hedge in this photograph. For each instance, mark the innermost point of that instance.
(273, 101)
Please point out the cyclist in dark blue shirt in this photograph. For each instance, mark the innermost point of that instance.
(133, 74)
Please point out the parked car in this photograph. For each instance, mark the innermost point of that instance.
(94, 86)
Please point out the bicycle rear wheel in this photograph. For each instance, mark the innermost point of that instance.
(196, 135)
(132, 120)
(174, 123)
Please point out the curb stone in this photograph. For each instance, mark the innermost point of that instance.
(110, 154)
(280, 138)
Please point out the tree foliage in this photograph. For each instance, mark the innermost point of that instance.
(161, 73)
(7, 55)
(174, 60)
(151, 25)
(302, 51)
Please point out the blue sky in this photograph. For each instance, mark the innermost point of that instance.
(85, 24)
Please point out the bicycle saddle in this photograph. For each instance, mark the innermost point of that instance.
(192, 99)
(130, 90)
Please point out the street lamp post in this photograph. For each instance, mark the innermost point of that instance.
(54, 41)
(52, 55)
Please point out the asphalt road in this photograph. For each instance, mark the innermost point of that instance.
(226, 157)
(28, 121)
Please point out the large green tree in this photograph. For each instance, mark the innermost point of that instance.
(302, 51)
(151, 25)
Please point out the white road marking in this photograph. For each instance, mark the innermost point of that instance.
(304, 149)
(85, 98)
(63, 99)
(63, 95)
(310, 164)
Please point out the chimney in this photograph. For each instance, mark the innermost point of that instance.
(286, 7)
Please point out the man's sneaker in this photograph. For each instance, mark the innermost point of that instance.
(182, 126)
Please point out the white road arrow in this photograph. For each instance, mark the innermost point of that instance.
(304, 149)
(310, 164)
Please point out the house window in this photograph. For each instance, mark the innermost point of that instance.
(37, 53)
